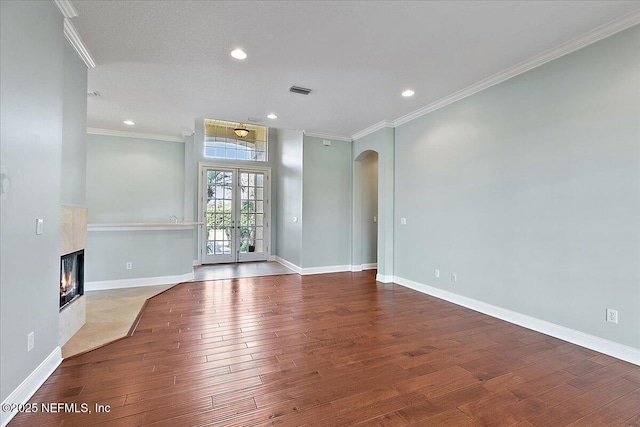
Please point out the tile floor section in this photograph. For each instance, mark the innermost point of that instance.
(110, 315)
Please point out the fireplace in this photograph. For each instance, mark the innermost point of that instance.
(71, 277)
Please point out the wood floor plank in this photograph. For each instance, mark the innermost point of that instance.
(337, 349)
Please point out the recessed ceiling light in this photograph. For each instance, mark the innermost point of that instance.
(238, 54)
(408, 93)
(129, 122)
(272, 116)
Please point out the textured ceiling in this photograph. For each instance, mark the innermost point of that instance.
(164, 63)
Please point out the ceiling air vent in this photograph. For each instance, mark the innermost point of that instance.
(253, 120)
(300, 90)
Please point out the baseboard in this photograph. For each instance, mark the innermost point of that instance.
(138, 282)
(271, 258)
(619, 351)
(196, 263)
(31, 384)
(370, 266)
(313, 270)
(384, 279)
(325, 269)
(289, 265)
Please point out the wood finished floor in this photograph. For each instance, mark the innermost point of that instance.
(334, 350)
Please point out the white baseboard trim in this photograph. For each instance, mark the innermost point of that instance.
(326, 269)
(31, 384)
(289, 265)
(384, 279)
(313, 270)
(138, 282)
(619, 351)
(196, 263)
(360, 267)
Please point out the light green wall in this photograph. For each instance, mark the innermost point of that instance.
(326, 203)
(287, 156)
(530, 192)
(153, 253)
(190, 195)
(132, 180)
(74, 130)
(31, 87)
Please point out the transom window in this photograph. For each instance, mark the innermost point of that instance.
(222, 142)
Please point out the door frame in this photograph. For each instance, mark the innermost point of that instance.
(202, 167)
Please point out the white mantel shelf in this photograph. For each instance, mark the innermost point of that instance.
(133, 226)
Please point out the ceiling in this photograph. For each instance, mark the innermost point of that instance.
(163, 64)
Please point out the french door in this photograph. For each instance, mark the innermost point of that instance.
(235, 211)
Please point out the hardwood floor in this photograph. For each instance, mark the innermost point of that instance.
(334, 350)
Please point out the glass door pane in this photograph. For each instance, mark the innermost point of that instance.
(219, 240)
(252, 216)
(235, 213)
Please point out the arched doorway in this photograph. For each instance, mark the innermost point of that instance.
(366, 211)
(380, 142)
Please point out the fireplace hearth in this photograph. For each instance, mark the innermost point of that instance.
(71, 277)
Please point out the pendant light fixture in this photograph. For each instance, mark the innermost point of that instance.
(241, 131)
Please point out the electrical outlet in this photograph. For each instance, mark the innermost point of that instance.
(31, 341)
(295, 219)
(437, 273)
(129, 266)
(612, 315)
(454, 277)
(403, 221)
(375, 219)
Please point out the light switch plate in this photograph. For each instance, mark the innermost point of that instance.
(39, 226)
(31, 341)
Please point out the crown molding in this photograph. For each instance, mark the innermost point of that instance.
(371, 129)
(74, 38)
(327, 136)
(125, 134)
(66, 8)
(570, 46)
